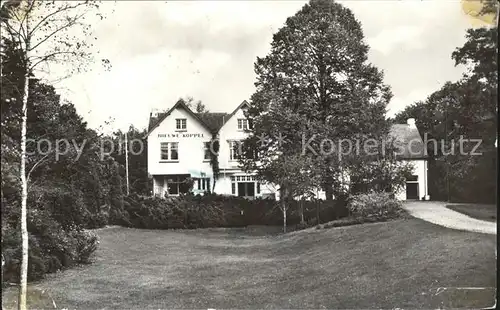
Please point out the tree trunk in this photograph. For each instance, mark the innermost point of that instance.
(24, 195)
(329, 192)
(301, 211)
(23, 279)
(283, 207)
(328, 181)
(317, 212)
(126, 163)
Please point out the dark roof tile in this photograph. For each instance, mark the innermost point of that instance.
(408, 140)
(214, 121)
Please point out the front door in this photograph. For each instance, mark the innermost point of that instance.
(411, 190)
(246, 189)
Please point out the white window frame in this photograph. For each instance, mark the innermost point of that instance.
(232, 156)
(203, 184)
(176, 182)
(180, 124)
(206, 147)
(169, 148)
(235, 179)
(242, 124)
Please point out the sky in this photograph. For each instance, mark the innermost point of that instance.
(161, 51)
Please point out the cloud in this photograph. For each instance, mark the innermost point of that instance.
(161, 52)
(398, 104)
(409, 37)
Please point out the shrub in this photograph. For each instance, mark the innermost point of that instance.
(86, 243)
(220, 211)
(51, 247)
(64, 205)
(99, 219)
(375, 205)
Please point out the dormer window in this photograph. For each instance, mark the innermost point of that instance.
(180, 124)
(244, 124)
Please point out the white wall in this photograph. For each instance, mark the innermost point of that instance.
(223, 185)
(191, 151)
(230, 132)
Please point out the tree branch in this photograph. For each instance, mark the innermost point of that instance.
(65, 8)
(36, 165)
(25, 17)
(69, 24)
(46, 57)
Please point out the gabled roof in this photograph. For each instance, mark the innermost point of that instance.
(241, 105)
(156, 121)
(213, 120)
(408, 138)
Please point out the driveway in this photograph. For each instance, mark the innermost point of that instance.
(436, 212)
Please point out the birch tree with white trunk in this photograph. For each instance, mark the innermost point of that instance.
(47, 33)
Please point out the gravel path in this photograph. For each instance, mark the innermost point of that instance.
(436, 212)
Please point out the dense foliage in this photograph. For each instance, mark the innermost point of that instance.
(67, 191)
(221, 211)
(56, 238)
(468, 109)
(316, 88)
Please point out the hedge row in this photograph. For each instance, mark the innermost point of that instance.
(188, 212)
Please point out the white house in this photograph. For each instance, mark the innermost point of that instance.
(179, 150)
(179, 144)
(408, 136)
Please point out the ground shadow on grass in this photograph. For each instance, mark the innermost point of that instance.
(477, 211)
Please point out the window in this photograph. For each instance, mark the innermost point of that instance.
(234, 150)
(164, 150)
(203, 184)
(247, 186)
(251, 153)
(206, 150)
(169, 151)
(174, 151)
(177, 185)
(244, 124)
(173, 187)
(180, 124)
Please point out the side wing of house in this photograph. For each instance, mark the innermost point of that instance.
(233, 180)
(412, 150)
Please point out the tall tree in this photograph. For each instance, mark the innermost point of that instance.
(465, 108)
(138, 174)
(318, 69)
(277, 160)
(196, 105)
(40, 31)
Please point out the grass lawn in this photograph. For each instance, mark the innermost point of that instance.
(477, 211)
(398, 264)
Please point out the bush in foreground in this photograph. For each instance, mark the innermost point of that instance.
(52, 246)
(369, 208)
(375, 205)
